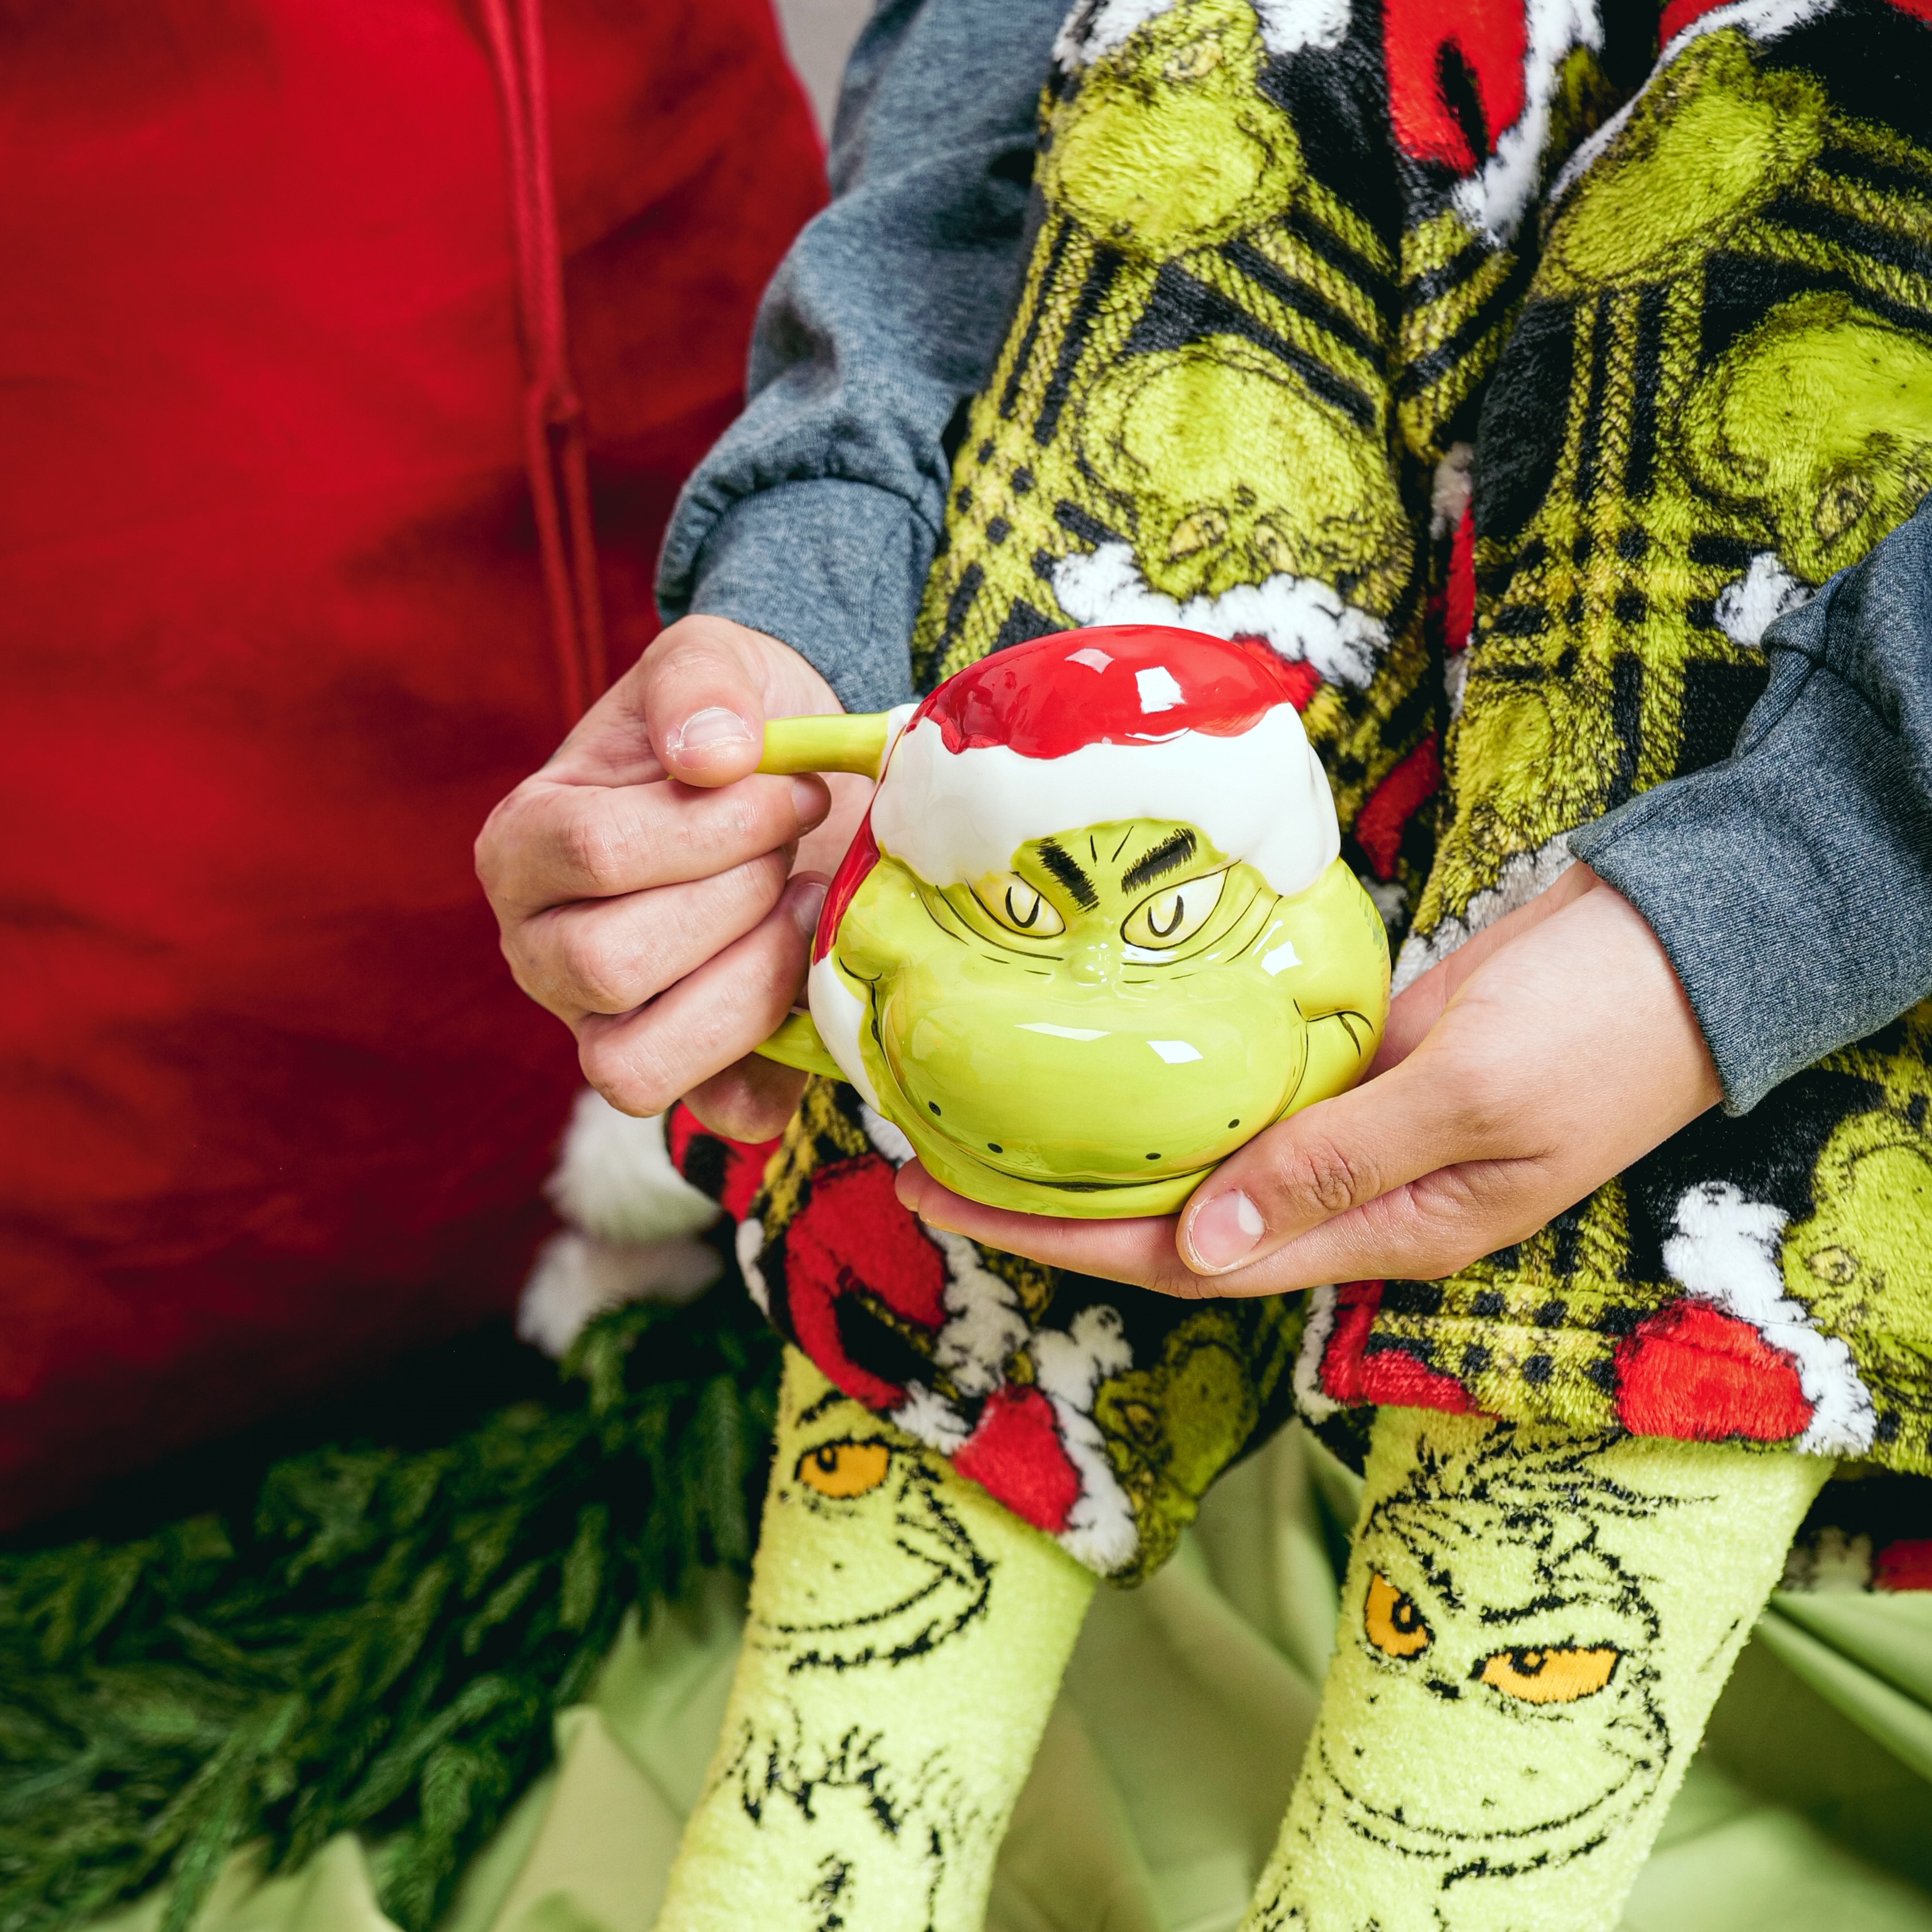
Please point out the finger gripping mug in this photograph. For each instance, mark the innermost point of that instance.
(1094, 933)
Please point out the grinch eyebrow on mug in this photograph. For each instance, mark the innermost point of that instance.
(1094, 932)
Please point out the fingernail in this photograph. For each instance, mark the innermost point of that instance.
(1223, 1232)
(811, 800)
(806, 899)
(705, 730)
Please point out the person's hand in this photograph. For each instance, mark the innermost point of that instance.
(640, 878)
(1544, 1056)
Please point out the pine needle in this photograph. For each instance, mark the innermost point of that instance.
(380, 1641)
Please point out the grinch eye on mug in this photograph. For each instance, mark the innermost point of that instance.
(1018, 907)
(1163, 919)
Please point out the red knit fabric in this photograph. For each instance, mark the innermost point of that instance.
(1482, 45)
(1694, 1372)
(730, 1171)
(1340, 1369)
(1397, 1379)
(276, 637)
(1014, 1455)
(853, 1237)
(1379, 824)
(1299, 681)
(1351, 1372)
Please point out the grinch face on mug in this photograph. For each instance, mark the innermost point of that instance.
(1095, 934)
(1102, 1018)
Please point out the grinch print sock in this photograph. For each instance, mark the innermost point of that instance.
(904, 1643)
(1534, 1627)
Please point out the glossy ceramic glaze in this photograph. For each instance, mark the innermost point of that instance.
(1084, 1020)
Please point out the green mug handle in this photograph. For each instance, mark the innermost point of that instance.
(840, 742)
(843, 741)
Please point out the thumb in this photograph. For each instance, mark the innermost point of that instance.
(704, 701)
(1330, 1158)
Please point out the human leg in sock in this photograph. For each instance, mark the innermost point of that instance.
(905, 1640)
(1534, 1627)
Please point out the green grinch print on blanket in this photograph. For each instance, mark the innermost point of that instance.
(1250, 357)
(1718, 394)
(1192, 421)
(1510, 432)
(1204, 330)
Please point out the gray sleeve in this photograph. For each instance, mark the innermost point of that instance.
(815, 517)
(1791, 885)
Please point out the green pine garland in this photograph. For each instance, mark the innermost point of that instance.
(379, 1645)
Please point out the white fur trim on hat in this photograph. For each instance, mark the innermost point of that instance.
(956, 816)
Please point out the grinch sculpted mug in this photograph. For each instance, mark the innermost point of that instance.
(1093, 933)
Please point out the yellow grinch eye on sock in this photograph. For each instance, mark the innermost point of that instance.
(1549, 1676)
(1394, 1625)
(845, 1469)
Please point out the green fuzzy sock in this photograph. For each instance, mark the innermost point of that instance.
(1534, 1627)
(905, 1640)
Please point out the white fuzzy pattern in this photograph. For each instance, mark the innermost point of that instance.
(1766, 592)
(1725, 1252)
(984, 1327)
(1302, 617)
(886, 1138)
(749, 1241)
(1829, 1563)
(1390, 899)
(1092, 31)
(930, 1419)
(1495, 199)
(613, 1178)
(1290, 26)
(576, 1276)
(1525, 875)
(1095, 28)
(1068, 1367)
(1313, 1401)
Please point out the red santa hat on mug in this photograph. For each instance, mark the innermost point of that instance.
(1123, 720)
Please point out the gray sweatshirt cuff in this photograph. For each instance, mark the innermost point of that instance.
(1788, 885)
(831, 567)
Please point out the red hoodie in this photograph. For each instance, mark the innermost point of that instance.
(274, 636)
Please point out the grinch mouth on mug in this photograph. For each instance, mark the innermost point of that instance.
(1094, 933)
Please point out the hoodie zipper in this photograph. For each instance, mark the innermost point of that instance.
(554, 430)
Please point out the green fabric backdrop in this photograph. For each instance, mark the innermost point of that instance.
(1167, 1761)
